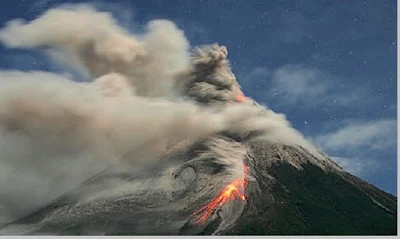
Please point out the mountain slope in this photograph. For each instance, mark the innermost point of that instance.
(282, 199)
(315, 202)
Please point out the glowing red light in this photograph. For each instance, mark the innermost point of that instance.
(234, 190)
(240, 97)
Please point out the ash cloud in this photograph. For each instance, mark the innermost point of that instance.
(149, 97)
(103, 47)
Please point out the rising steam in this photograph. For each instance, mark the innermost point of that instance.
(148, 97)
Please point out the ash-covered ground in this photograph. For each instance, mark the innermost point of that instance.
(161, 141)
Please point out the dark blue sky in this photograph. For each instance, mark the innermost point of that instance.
(330, 66)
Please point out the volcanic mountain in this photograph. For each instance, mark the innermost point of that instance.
(285, 189)
(178, 148)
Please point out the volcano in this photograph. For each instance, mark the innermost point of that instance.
(285, 189)
(181, 149)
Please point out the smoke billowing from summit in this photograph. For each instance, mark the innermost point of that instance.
(149, 98)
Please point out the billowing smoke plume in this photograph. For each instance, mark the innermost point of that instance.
(148, 98)
(104, 47)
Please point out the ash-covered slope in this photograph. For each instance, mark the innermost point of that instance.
(289, 195)
(310, 201)
(190, 155)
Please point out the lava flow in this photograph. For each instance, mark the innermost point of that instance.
(240, 97)
(234, 190)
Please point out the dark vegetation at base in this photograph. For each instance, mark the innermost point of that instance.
(313, 202)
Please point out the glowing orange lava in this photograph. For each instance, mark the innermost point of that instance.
(240, 97)
(234, 190)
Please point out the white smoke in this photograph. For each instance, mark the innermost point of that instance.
(51, 125)
(56, 132)
(104, 47)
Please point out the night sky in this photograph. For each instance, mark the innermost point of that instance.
(329, 66)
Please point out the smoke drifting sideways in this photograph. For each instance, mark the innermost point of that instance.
(149, 96)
